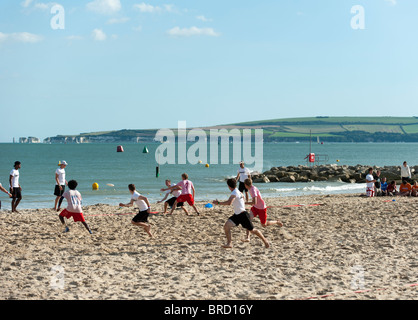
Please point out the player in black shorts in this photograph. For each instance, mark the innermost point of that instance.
(170, 202)
(240, 216)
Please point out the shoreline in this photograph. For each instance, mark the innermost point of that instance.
(345, 238)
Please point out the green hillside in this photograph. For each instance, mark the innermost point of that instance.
(331, 129)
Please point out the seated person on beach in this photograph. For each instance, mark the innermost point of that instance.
(384, 187)
(187, 193)
(391, 190)
(141, 219)
(240, 216)
(258, 208)
(405, 189)
(73, 210)
(174, 193)
(414, 192)
(370, 183)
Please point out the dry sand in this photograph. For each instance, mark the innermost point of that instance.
(346, 244)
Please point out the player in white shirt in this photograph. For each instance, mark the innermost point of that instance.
(243, 173)
(370, 183)
(60, 182)
(175, 194)
(141, 219)
(15, 188)
(240, 216)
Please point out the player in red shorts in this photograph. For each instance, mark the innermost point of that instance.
(258, 208)
(187, 193)
(73, 210)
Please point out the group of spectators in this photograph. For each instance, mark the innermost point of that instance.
(377, 186)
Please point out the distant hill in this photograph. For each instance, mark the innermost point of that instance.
(331, 129)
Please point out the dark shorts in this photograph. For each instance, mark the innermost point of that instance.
(16, 193)
(172, 200)
(242, 219)
(241, 187)
(142, 216)
(58, 192)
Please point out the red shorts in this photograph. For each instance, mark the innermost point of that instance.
(261, 213)
(76, 216)
(186, 198)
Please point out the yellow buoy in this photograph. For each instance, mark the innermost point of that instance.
(338, 160)
(207, 165)
(95, 186)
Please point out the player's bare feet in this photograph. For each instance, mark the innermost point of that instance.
(147, 229)
(227, 246)
(279, 223)
(246, 240)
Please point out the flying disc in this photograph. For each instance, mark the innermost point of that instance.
(110, 185)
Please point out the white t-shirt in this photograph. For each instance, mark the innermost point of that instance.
(61, 176)
(142, 205)
(238, 202)
(243, 174)
(405, 172)
(174, 193)
(15, 179)
(74, 201)
(370, 177)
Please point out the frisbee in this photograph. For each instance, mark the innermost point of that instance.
(110, 185)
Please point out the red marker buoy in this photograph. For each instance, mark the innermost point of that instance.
(119, 149)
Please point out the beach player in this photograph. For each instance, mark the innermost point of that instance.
(243, 173)
(258, 208)
(240, 216)
(405, 172)
(141, 219)
(60, 182)
(187, 193)
(175, 193)
(15, 188)
(370, 183)
(405, 189)
(5, 191)
(73, 209)
(391, 190)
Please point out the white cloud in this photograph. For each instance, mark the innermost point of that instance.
(392, 2)
(149, 8)
(43, 6)
(203, 18)
(26, 3)
(24, 37)
(104, 6)
(118, 20)
(98, 35)
(193, 31)
(143, 7)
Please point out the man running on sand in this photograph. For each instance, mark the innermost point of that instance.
(240, 216)
(258, 208)
(73, 210)
(15, 188)
(187, 193)
(141, 219)
(174, 195)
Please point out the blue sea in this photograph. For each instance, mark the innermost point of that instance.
(102, 164)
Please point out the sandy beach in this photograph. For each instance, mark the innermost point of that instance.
(345, 244)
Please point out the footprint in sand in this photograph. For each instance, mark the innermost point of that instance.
(286, 234)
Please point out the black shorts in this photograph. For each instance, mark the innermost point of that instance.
(142, 216)
(58, 192)
(242, 219)
(16, 193)
(172, 200)
(241, 187)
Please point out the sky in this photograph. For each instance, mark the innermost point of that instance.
(72, 67)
